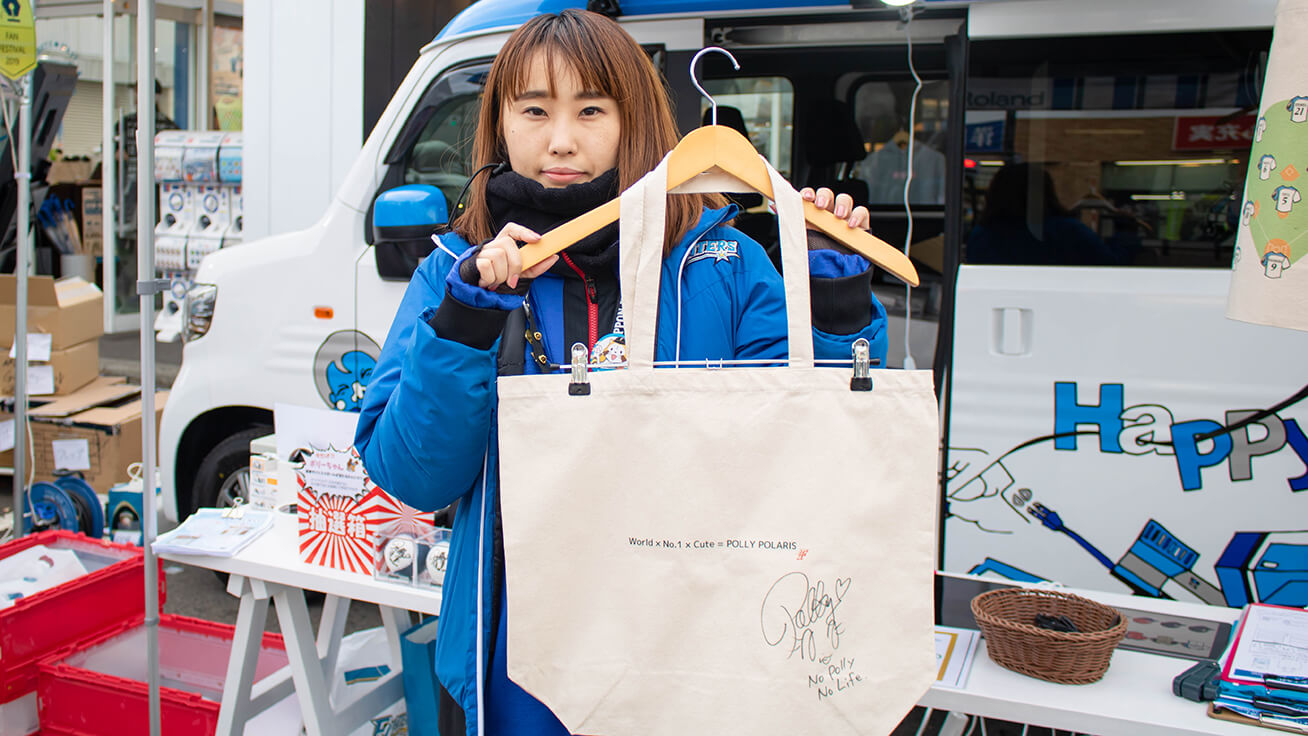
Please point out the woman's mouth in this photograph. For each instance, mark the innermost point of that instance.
(563, 175)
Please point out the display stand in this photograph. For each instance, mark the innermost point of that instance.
(270, 570)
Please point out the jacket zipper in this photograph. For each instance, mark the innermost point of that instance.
(592, 304)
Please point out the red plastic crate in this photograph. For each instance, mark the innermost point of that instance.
(74, 699)
(76, 611)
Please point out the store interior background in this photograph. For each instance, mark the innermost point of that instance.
(289, 75)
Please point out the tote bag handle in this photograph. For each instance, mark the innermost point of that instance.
(640, 257)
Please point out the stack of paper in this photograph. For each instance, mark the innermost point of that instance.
(210, 532)
(955, 650)
(1265, 671)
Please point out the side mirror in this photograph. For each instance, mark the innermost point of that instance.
(403, 220)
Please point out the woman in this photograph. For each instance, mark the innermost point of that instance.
(573, 111)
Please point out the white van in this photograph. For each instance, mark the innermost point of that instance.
(1125, 124)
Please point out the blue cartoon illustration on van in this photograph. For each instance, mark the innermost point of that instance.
(342, 367)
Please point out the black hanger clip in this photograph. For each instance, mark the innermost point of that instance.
(579, 385)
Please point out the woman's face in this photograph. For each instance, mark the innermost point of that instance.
(568, 138)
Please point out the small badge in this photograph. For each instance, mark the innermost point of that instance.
(610, 351)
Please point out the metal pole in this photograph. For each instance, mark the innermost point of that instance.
(145, 286)
(204, 68)
(23, 176)
(108, 172)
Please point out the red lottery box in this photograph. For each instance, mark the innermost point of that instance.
(341, 510)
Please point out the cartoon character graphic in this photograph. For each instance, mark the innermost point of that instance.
(348, 378)
(1298, 107)
(1285, 198)
(342, 367)
(1259, 128)
(1247, 213)
(1276, 258)
(1266, 165)
(990, 499)
(610, 351)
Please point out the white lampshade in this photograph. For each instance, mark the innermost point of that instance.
(1269, 274)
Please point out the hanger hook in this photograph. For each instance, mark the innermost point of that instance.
(694, 64)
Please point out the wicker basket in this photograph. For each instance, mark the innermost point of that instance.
(1007, 620)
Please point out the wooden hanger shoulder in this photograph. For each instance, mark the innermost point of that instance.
(716, 146)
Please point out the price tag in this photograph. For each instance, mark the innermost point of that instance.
(6, 435)
(38, 347)
(71, 454)
(40, 380)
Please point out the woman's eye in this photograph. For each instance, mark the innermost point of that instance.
(533, 112)
(592, 110)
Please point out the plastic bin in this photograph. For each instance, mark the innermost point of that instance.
(18, 716)
(109, 595)
(99, 688)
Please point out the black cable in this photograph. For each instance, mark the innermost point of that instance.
(499, 168)
(1254, 418)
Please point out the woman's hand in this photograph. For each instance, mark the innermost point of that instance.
(500, 264)
(840, 205)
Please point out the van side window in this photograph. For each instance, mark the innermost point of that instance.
(1075, 156)
(882, 111)
(440, 153)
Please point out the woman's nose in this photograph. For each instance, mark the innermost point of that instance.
(563, 139)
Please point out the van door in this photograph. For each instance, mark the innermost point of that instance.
(1091, 352)
(433, 146)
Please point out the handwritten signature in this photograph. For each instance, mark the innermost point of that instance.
(796, 611)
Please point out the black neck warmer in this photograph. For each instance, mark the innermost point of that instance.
(512, 197)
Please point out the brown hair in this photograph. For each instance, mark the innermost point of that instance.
(607, 60)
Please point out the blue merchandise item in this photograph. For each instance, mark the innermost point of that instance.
(417, 654)
(427, 430)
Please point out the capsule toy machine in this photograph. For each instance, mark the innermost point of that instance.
(199, 178)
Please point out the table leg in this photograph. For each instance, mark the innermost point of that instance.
(306, 668)
(250, 621)
(331, 629)
(395, 621)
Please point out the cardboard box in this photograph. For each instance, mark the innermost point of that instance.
(70, 309)
(96, 430)
(66, 371)
(92, 220)
(63, 172)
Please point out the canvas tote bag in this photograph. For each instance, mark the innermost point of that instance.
(1269, 275)
(719, 551)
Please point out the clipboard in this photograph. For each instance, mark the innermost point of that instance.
(1231, 671)
(1223, 714)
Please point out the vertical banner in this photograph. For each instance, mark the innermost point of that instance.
(1269, 279)
(17, 38)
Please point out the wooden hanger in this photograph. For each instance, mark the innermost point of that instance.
(720, 147)
(901, 138)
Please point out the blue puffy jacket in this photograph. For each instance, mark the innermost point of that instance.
(427, 431)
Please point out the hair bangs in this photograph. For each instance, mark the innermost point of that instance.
(563, 53)
(607, 61)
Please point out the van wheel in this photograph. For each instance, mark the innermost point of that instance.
(224, 474)
(223, 477)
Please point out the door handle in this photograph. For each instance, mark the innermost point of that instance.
(1012, 331)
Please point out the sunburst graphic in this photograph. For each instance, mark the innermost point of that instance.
(340, 531)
